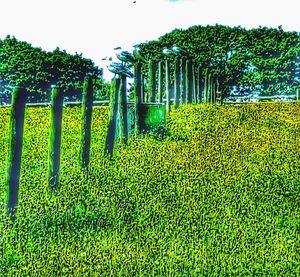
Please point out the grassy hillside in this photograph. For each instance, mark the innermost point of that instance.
(220, 195)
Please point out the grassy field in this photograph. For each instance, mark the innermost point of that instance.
(218, 196)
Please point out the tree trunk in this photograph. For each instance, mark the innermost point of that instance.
(55, 137)
(15, 150)
(87, 108)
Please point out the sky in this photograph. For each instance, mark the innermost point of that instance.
(95, 27)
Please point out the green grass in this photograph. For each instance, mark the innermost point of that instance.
(219, 196)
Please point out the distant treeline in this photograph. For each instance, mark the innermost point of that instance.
(264, 60)
(37, 70)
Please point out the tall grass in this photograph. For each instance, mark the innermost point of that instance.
(219, 196)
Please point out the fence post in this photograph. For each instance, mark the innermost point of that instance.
(137, 95)
(112, 123)
(15, 150)
(87, 108)
(176, 83)
(167, 78)
(55, 137)
(160, 82)
(123, 121)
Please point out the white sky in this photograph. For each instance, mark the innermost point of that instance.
(95, 27)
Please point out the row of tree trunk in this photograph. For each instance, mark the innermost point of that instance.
(16, 139)
(188, 84)
(187, 87)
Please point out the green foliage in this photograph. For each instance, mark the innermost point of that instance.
(264, 59)
(160, 132)
(37, 70)
(101, 89)
(224, 202)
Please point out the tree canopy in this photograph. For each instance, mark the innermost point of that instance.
(264, 60)
(37, 70)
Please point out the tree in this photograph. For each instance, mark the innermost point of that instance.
(37, 70)
(266, 60)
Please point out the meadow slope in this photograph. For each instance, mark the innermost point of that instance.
(219, 195)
